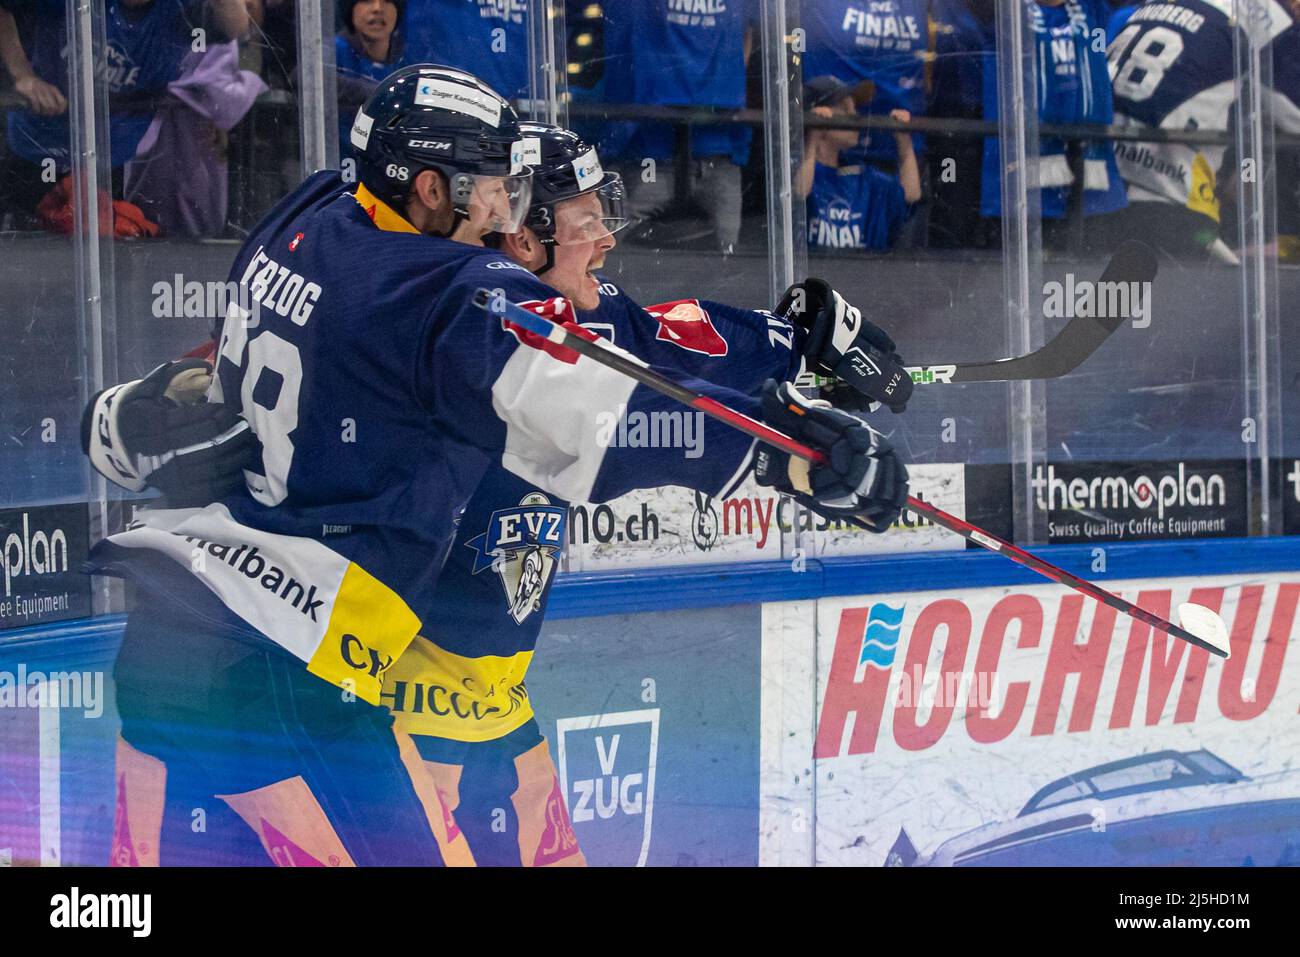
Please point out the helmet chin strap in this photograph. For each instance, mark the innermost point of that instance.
(458, 216)
(550, 258)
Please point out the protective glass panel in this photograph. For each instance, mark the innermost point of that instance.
(672, 95)
(1279, 278)
(44, 362)
(1121, 462)
(212, 140)
(899, 176)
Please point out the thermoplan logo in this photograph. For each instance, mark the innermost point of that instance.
(1126, 500)
(607, 772)
(32, 553)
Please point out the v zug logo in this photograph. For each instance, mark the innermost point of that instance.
(606, 765)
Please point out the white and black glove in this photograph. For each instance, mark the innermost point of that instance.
(160, 432)
(863, 476)
(841, 343)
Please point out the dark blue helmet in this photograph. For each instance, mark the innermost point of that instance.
(564, 166)
(428, 116)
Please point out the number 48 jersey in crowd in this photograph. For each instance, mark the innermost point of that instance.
(1172, 67)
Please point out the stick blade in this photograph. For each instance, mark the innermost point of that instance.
(1205, 625)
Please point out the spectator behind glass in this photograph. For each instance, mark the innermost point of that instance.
(488, 38)
(1285, 96)
(852, 207)
(367, 49)
(667, 53)
(1073, 87)
(180, 176)
(1175, 69)
(146, 41)
(272, 49)
(884, 41)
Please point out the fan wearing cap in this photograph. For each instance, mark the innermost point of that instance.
(852, 207)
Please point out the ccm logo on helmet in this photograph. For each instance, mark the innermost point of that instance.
(436, 146)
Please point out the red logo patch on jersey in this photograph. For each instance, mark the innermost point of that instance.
(685, 323)
(293, 245)
(552, 309)
(448, 822)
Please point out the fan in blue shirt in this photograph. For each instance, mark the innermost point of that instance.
(144, 42)
(367, 49)
(680, 53)
(852, 207)
(885, 41)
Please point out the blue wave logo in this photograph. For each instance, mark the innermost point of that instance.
(880, 637)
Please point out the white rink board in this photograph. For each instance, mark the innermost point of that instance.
(935, 780)
(754, 524)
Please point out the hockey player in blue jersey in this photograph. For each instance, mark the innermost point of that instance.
(460, 689)
(320, 534)
(473, 725)
(1173, 67)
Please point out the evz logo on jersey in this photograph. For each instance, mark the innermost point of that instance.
(522, 545)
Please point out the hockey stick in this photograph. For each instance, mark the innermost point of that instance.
(1202, 627)
(1133, 266)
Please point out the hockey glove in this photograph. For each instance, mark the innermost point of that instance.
(841, 343)
(159, 432)
(863, 476)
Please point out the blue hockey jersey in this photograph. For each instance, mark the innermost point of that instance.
(1172, 66)
(380, 394)
(464, 678)
(1072, 87)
